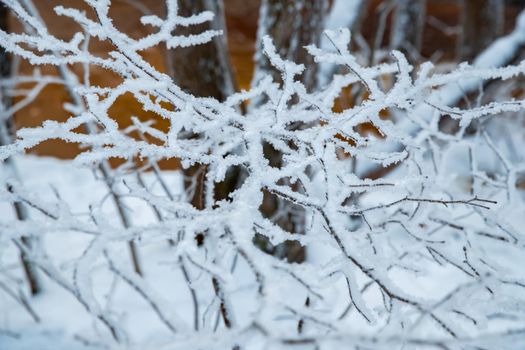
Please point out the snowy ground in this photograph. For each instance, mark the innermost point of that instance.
(65, 325)
(63, 320)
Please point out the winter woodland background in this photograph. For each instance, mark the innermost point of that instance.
(274, 174)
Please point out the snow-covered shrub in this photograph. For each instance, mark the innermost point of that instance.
(412, 236)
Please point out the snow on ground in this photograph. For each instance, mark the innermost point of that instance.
(65, 325)
(64, 322)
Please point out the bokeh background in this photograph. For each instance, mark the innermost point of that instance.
(440, 44)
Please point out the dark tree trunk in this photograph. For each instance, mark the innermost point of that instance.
(292, 24)
(408, 26)
(203, 70)
(5, 138)
(481, 23)
(357, 24)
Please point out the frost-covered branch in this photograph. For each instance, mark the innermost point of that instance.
(423, 257)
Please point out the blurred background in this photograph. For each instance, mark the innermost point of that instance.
(442, 31)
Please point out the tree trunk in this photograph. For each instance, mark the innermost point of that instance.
(203, 70)
(292, 24)
(5, 138)
(481, 23)
(357, 23)
(407, 27)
